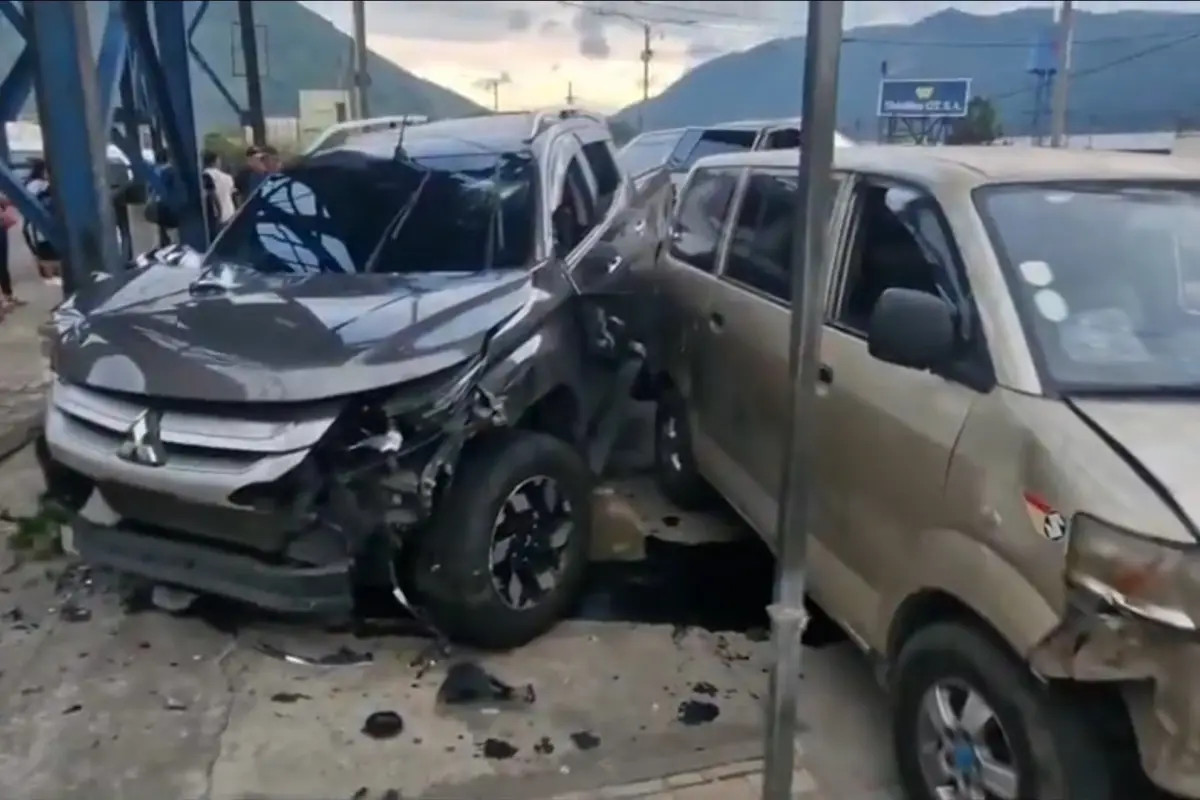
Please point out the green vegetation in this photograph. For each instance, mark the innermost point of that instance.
(37, 536)
(981, 125)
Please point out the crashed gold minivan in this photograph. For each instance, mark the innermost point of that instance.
(1007, 491)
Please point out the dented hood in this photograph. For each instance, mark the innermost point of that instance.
(228, 334)
(1162, 436)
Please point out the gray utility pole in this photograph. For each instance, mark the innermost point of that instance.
(1058, 103)
(362, 79)
(809, 276)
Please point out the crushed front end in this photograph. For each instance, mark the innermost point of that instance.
(1132, 622)
(286, 507)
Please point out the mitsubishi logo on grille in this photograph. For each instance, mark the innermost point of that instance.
(143, 441)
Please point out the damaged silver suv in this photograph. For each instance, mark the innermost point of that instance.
(402, 362)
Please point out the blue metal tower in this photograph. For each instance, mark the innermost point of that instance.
(1043, 66)
(146, 45)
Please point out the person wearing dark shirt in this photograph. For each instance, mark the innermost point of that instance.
(260, 162)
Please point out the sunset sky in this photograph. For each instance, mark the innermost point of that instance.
(536, 48)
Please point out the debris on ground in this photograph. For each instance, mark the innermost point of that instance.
(498, 749)
(467, 683)
(383, 725)
(585, 740)
(341, 657)
(697, 712)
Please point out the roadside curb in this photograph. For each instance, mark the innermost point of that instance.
(737, 781)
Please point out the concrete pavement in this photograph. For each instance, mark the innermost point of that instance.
(101, 699)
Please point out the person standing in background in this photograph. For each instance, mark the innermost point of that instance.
(49, 263)
(219, 190)
(260, 162)
(8, 221)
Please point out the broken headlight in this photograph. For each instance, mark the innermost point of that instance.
(1143, 577)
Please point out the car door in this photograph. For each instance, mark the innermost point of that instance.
(894, 428)
(684, 279)
(749, 322)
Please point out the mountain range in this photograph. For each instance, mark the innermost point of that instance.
(1132, 71)
(299, 50)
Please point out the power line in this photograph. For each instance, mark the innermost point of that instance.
(1107, 65)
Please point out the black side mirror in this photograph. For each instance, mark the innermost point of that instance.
(911, 329)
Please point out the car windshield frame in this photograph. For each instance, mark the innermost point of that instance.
(681, 162)
(1054, 382)
(662, 141)
(409, 195)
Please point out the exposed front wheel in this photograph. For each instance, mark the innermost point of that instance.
(507, 554)
(970, 723)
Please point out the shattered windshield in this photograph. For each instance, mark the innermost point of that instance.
(1107, 278)
(347, 211)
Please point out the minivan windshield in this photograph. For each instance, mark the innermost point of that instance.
(1106, 276)
(349, 211)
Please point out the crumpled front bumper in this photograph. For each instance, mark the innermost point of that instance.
(179, 523)
(1158, 671)
(324, 590)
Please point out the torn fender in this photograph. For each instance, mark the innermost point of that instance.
(1156, 668)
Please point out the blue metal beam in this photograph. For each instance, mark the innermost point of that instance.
(166, 69)
(10, 11)
(202, 63)
(74, 137)
(110, 66)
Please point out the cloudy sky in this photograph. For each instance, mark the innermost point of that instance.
(537, 49)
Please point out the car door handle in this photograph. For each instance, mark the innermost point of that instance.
(639, 227)
(825, 374)
(716, 320)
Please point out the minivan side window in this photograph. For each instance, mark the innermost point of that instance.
(760, 245)
(696, 234)
(899, 243)
(903, 241)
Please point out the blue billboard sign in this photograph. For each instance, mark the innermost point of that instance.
(941, 97)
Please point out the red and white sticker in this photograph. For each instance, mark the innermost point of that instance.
(1045, 518)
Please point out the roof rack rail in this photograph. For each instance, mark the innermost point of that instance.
(544, 118)
(337, 134)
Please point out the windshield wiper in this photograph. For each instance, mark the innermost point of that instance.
(393, 228)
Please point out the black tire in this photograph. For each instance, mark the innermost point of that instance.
(1057, 756)
(453, 575)
(675, 467)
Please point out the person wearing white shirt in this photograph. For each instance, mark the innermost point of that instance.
(219, 191)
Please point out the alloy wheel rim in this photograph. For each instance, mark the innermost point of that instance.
(528, 552)
(962, 747)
